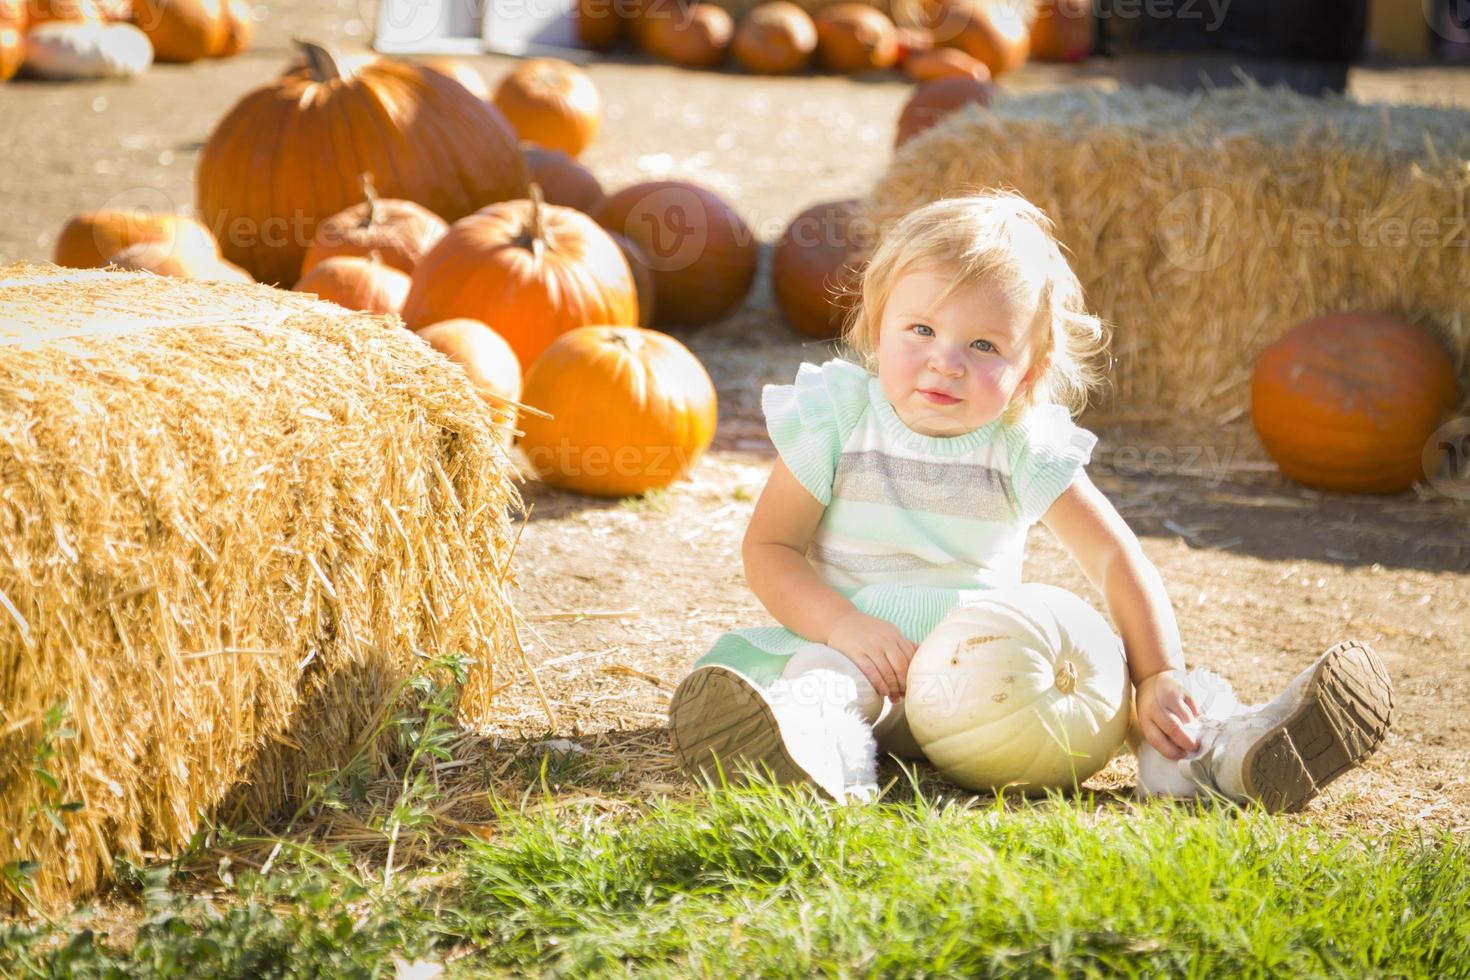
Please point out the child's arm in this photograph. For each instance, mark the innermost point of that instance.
(1108, 551)
(785, 517)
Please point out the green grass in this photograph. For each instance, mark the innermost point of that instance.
(756, 881)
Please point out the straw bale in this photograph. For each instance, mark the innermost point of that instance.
(232, 519)
(1203, 225)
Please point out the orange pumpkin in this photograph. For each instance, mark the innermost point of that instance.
(463, 73)
(699, 39)
(1347, 401)
(160, 258)
(703, 255)
(642, 277)
(814, 267)
(534, 270)
(487, 361)
(183, 30)
(89, 240)
(643, 13)
(239, 28)
(357, 283)
(42, 11)
(993, 33)
(564, 182)
(930, 66)
(551, 103)
(599, 23)
(291, 153)
(933, 101)
(1064, 30)
(400, 232)
(775, 38)
(12, 37)
(632, 411)
(853, 37)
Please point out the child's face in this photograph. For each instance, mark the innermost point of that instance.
(951, 367)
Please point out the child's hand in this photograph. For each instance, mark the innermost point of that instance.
(1165, 706)
(878, 648)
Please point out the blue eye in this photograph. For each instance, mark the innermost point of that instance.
(987, 348)
(923, 330)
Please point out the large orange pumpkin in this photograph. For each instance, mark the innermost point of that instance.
(814, 265)
(632, 411)
(1347, 401)
(853, 37)
(775, 38)
(993, 33)
(487, 361)
(564, 182)
(400, 232)
(357, 283)
(933, 101)
(699, 39)
(532, 270)
(704, 257)
(1064, 30)
(12, 37)
(551, 103)
(293, 152)
(89, 240)
(183, 30)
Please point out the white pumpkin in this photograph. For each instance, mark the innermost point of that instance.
(65, 50)
(1025, 687)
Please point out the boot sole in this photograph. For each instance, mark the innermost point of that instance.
(720, 724)
(1343, 717)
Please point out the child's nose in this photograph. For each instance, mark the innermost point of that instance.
(947, 361)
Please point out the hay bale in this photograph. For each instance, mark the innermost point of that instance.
(1204, 225)
(232, 519)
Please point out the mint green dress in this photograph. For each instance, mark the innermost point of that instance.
(913, 523)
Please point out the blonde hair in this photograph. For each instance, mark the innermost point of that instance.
(993, 237)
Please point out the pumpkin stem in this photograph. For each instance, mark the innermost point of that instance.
(321, 60)
(1067, 677)
(370, 193)
(534, 230)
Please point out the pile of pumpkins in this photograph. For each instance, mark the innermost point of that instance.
(934, 39)
(62, 40)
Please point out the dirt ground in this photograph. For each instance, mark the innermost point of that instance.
(624, 595)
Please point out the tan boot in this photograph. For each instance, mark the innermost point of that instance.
(721, 722)
(1331, 717)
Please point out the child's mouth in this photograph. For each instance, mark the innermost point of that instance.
(938, 397)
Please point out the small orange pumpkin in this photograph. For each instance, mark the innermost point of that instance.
(12, 37)
(89, 240)
(1347, 401)
(775, 38)
(564, 182)
(814, 267)
(357, 283)
(704, 257)
(463, 73)
(993, 33)
(183, 30)
(532, 269)
(854, 37)
(161, 258)
(551, 103)
(933, 101)
(400, 232)
(632, 411)
(930, 66)
(487, 361)
(1064, 30)
(599, 23)
(699, 39)
(239, 28)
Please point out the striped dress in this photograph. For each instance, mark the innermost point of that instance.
(913, 523)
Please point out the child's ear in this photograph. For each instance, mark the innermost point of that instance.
(1035, 372)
